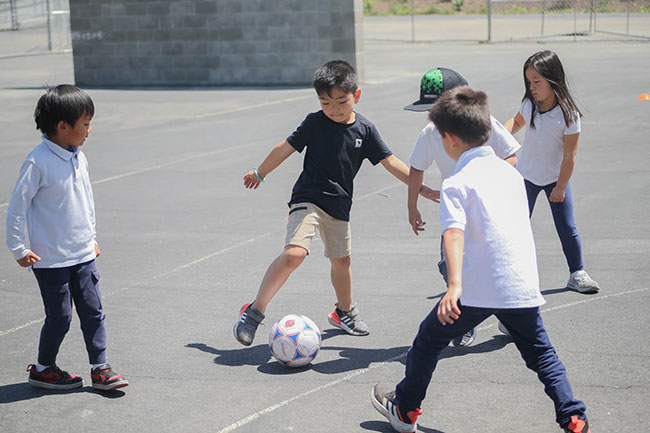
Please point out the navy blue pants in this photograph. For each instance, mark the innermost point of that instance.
(60, 287)
(527, 330)
(565, 224)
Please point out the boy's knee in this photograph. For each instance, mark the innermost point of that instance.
(61, 322)
(293, 256)
(341, 262)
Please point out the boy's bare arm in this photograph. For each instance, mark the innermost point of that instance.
(515, 123)
(397, 168)
(278, 154)
(415, 182)
(512, 160)
(453, 245)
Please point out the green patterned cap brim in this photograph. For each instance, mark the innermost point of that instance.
(433, 83)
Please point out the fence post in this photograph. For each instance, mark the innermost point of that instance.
(628, 18)
(543, 10)
(49, 26)
(14, 14)
(591, 17)
(489, 17)
(412, 22)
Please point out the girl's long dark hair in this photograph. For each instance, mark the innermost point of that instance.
(548, 64)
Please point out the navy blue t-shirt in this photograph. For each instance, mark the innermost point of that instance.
(334, 155)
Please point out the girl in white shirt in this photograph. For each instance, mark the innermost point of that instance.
(552, 121)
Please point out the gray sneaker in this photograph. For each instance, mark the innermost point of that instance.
(383, 400)
(349, 321)
(580, 281)
(465, 340)
(249, 320)
(503, 329)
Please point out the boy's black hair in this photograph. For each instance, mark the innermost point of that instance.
(64, 102)
(335, 73)
(549, 66)
(463, 112)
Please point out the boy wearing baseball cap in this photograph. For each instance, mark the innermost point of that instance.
(428, 149)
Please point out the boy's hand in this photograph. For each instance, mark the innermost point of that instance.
(431, 194)
(415, 219)
(251, 181)
(97, 251)
(557, 194)
(448, 310)
(28, 260)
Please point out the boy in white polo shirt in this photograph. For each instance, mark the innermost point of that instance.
(429, 149)
(54, 199)
(491, 265)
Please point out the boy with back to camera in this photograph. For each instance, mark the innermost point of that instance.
(53, 197)
(491, 266)
(428, 148)
(337, 140)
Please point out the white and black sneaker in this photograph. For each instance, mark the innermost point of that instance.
(383, 399)
(580, 281)
(464, 340)
(249, 319)
(349, 321)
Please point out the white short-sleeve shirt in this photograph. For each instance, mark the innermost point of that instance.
(428, 148)
(486, 198)
(541, 157)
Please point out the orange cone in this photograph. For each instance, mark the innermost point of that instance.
(645, 97)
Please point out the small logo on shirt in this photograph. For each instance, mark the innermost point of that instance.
(358, 142)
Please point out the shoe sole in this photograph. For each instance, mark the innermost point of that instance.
(405, 428)
(112, 386)
(234, 332)
(587, 291)
(45, 385)
(345, 327)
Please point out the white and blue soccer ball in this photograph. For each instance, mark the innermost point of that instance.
(294, 340)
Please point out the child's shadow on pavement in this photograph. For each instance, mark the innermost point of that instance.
(350, 358)
(24, 391)
(384, 427)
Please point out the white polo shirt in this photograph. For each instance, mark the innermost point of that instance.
(486, 198)
(53, 197)
(428, 148)
(543, 151)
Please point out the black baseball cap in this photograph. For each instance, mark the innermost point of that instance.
(434, 82)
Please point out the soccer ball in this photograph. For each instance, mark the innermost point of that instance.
(294, 340)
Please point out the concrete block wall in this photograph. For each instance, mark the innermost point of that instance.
(128, 43)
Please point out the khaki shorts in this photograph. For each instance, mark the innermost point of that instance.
(301, 228)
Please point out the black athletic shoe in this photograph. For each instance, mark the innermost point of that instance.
(106, 379)
(249, 320)
(53, 378)
(383, 400)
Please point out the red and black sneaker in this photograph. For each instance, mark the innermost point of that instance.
(577, 425)
(53, 378)
(105, 379)
(383, 399)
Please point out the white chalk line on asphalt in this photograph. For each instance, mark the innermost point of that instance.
(256, 415)
(186, 265)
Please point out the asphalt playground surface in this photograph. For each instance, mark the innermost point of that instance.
(184, 245)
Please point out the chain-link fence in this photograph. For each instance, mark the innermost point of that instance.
(34, 26)
(507, 20)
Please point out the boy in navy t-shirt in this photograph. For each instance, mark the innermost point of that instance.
(337, 140)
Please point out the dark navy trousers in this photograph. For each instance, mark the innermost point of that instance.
(565, 224)
(527, 330)
(60, 287)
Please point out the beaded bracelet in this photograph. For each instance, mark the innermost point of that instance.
(258, 175)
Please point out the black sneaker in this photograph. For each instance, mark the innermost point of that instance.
(106, 379)
(401, 420)
(53, 378)
(466, 339)
(577, 425)
(349, 321)
(249, 320)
